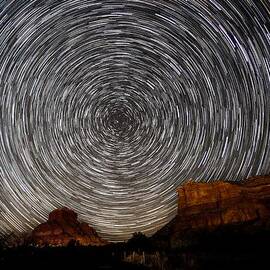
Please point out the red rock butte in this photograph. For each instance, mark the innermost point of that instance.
(63, 228)
(208, 205)
(217, 206)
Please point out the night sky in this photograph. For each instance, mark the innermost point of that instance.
(106, 107)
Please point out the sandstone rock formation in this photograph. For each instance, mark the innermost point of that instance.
(206, 205)
(218, 205)
(63, 228)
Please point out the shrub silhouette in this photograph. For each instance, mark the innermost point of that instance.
(139, 241)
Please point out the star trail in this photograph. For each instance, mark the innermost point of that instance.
(108, 106)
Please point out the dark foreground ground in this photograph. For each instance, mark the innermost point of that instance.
(215, 250)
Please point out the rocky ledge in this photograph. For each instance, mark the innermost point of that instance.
(206, 205)
(218, 205)
(63, 228)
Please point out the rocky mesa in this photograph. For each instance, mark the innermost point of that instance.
(63, 228)
(206, 205)
(218, 204)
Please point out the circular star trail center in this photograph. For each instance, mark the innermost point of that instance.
(108, 106)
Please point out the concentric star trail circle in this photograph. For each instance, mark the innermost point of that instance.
(108, 106)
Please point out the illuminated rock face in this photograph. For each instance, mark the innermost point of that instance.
(206, 205)
(219, 205)
(63, 228)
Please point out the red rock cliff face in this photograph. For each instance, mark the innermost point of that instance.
(62, 228)
(217, 205)
(206, 205)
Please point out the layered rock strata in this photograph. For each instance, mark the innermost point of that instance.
(63, 228)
